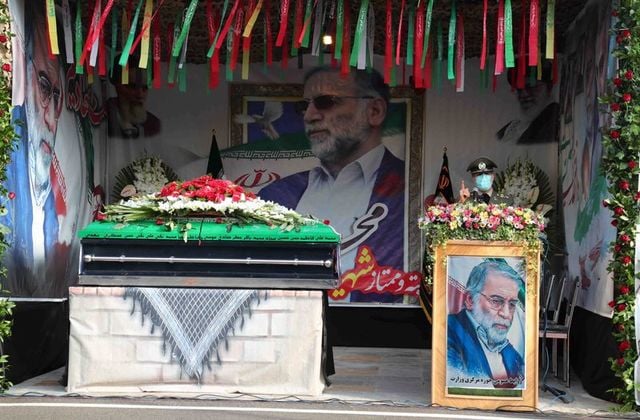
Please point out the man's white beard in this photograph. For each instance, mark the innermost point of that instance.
(486, 322)
(39, 162)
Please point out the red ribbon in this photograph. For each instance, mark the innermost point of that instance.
(399, 41)
(427, 67)
(297, 24)
(96, 28)
(235, 46)
(144, 28)
(534, 26)
(522, 54)
(269, 40)
(483, 53)
(418, 45)
(227, 25)
(155, 27)
(460, 52)
(214, 64)
(346, 40)
(102, 56)
(388, 44)
(499, 67)
(284, 20)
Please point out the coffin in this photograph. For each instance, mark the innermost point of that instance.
(209, 254)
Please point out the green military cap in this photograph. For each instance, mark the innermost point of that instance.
(481, 165)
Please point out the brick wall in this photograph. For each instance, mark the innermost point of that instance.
(276, 352)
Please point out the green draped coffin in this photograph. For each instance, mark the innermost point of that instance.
(209, 254)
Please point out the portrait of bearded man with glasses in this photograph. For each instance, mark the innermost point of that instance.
(47, 179)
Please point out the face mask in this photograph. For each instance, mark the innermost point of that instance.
(483, 182)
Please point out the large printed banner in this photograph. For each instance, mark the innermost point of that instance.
(274, 160)
(50, 176)
(587, 224)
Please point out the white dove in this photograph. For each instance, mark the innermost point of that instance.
(271, 112)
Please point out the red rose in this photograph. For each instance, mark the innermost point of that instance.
(628, 75)
(620, 361)
(622, 307)
(605, 203)
(624, 289)
(612, 303)
(626, 33)
(6, 67)
(619, 211)
(614, 223)
(12, 195)
(625, 238)
(624, 185)
(615, 134)
(617, 81)
(3, 38)
(632, 164)
(619, 39)
(326, 222)
(615, 107)
(101, 216)
(626, 97)
(626, 260)
(625, 345)
(617, 248)
(637, 196)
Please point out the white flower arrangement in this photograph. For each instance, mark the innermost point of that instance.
(520, 184)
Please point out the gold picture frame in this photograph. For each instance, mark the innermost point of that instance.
(243, 97)
(464, 370)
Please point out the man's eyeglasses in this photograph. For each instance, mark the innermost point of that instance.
(498, 302)
(325, 102)
(49, 92)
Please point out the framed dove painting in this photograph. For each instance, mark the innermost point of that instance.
(381, 245)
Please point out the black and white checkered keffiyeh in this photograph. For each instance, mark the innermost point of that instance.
(194, 322)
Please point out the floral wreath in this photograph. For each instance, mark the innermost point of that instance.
(142, 176)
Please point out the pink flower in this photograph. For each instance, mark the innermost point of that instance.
(626, 260)
(12, 195)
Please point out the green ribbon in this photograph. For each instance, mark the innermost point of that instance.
(182, 79)
(78, 49)
(149, 70)
(452, 42)
(114, 39)
(362, 20)
(339, 30)
(427, 29)
(410, 37)
(228, 71)
(191, 10)
(394, 77)
(307, 18)
(508, 35)
(215, 39)
(173, 59)
(124, 57)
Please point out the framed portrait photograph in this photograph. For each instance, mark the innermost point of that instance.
(485, 325)
(270, 146)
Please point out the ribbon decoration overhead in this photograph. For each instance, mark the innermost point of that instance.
(451, 42)
(534, 24)
(550, 25)
(124, 57)
(483, 52)
(508, 35)
(51, 26)
(499, 66)
(146, 34)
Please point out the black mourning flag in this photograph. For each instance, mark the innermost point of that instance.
(214, 165)
(444, 189)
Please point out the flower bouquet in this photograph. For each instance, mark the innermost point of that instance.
(205, 196)
(145, 175)
(478, 221)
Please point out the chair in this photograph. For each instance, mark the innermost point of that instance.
(557, 327)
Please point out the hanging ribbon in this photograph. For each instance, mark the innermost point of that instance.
(427, 67)
(228, 72)
(235, 39)
(148, 70)
(451, 42)
(337, 53)
(508, 35)
(92, 35)
(78, 46)
(124, 24)
(360, 28)
(175, 32)
(551, 28)
(246, 42)
(410, 38)
(182, 69)
(284, 21)
(95, 32)
(346, 41)
(297, 27)
(66, 25)
(305, 35)
(522, 50)
(222, 34)
(427, 31)
(146, 34)
(186, 25)
(124, 57)
(483, 52)
(418, 45)
(318, 24)
(248, 29)
(534, 22)
(96, 44)
(371, 33)
(388, 43)
(114, 41)
(157, 53)
(399, 41)
(51, 26)
(499, 65)
(102, 56)
(222, 18)
(460, 54)
(269, 35)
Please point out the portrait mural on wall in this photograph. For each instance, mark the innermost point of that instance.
(341, 155)
(486, 307)
(51, 169)
(587, 224)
